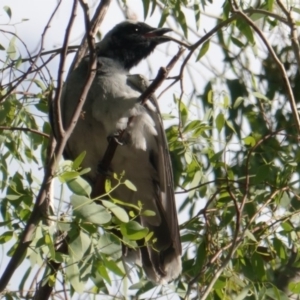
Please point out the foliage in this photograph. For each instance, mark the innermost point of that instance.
(234, 148)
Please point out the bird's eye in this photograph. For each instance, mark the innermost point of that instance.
(136, 29)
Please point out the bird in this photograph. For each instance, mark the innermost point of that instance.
(143, 155)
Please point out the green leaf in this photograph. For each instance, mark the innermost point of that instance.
(197, 15)
(188, 157)
(112, 266)
(237, 42)
(103, 273)
(287, 227)
(250, 235)
(196, 180)
(118, 211)
(226, 102)
(274, 293)
(246, 30)
(68, 175)
(13, 197)
(261, 96)
(295, 9)
(140, 284)
(184, 112)
(192, 125)
(182, 22)
(133, 230)
(294, 287)
(73, 275)
(163, 18)
(230, 125)
(49, 242)
(285, 200)
(280, 249)
(210, 96)
(270, 5)
(78, 245)
(109, 244)
(149, 236)
(220, 121)
(79, 186)
(146, 4)
(201, 256)
(107, 185)
(130, 185)
(8, 11)
(79, 159)
(203, 49)
(262, 173)
(24, 279)
(6, 236)
(238, 102)
(148, 213)
(258, 266)
(39, 84)
(249, 140)
(89, 212)
(12, 50)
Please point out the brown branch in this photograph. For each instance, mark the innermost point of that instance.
(95, 23)
(253, 11)
(38, 55)
(55, 52)
(23, 77)
(57, 118)
(25, 129)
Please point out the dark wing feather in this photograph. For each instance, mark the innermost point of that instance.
(167, 234)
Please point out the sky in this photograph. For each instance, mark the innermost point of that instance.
(28, 21)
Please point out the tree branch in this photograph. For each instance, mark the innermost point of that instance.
(37, 56)
(25, 129)
(95, 23)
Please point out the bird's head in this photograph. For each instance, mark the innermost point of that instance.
(129, 42)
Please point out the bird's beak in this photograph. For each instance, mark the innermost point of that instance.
(158, 33)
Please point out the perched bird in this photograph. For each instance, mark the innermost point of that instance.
(144, 155)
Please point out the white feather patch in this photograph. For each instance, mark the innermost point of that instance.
(141, 129)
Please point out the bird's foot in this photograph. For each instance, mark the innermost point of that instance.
(117, 138)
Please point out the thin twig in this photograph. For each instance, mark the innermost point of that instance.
(57, 118)
(32, 65)
(252, 11)
(95, 23)
(25, 129)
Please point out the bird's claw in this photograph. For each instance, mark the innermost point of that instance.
(117, 138)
